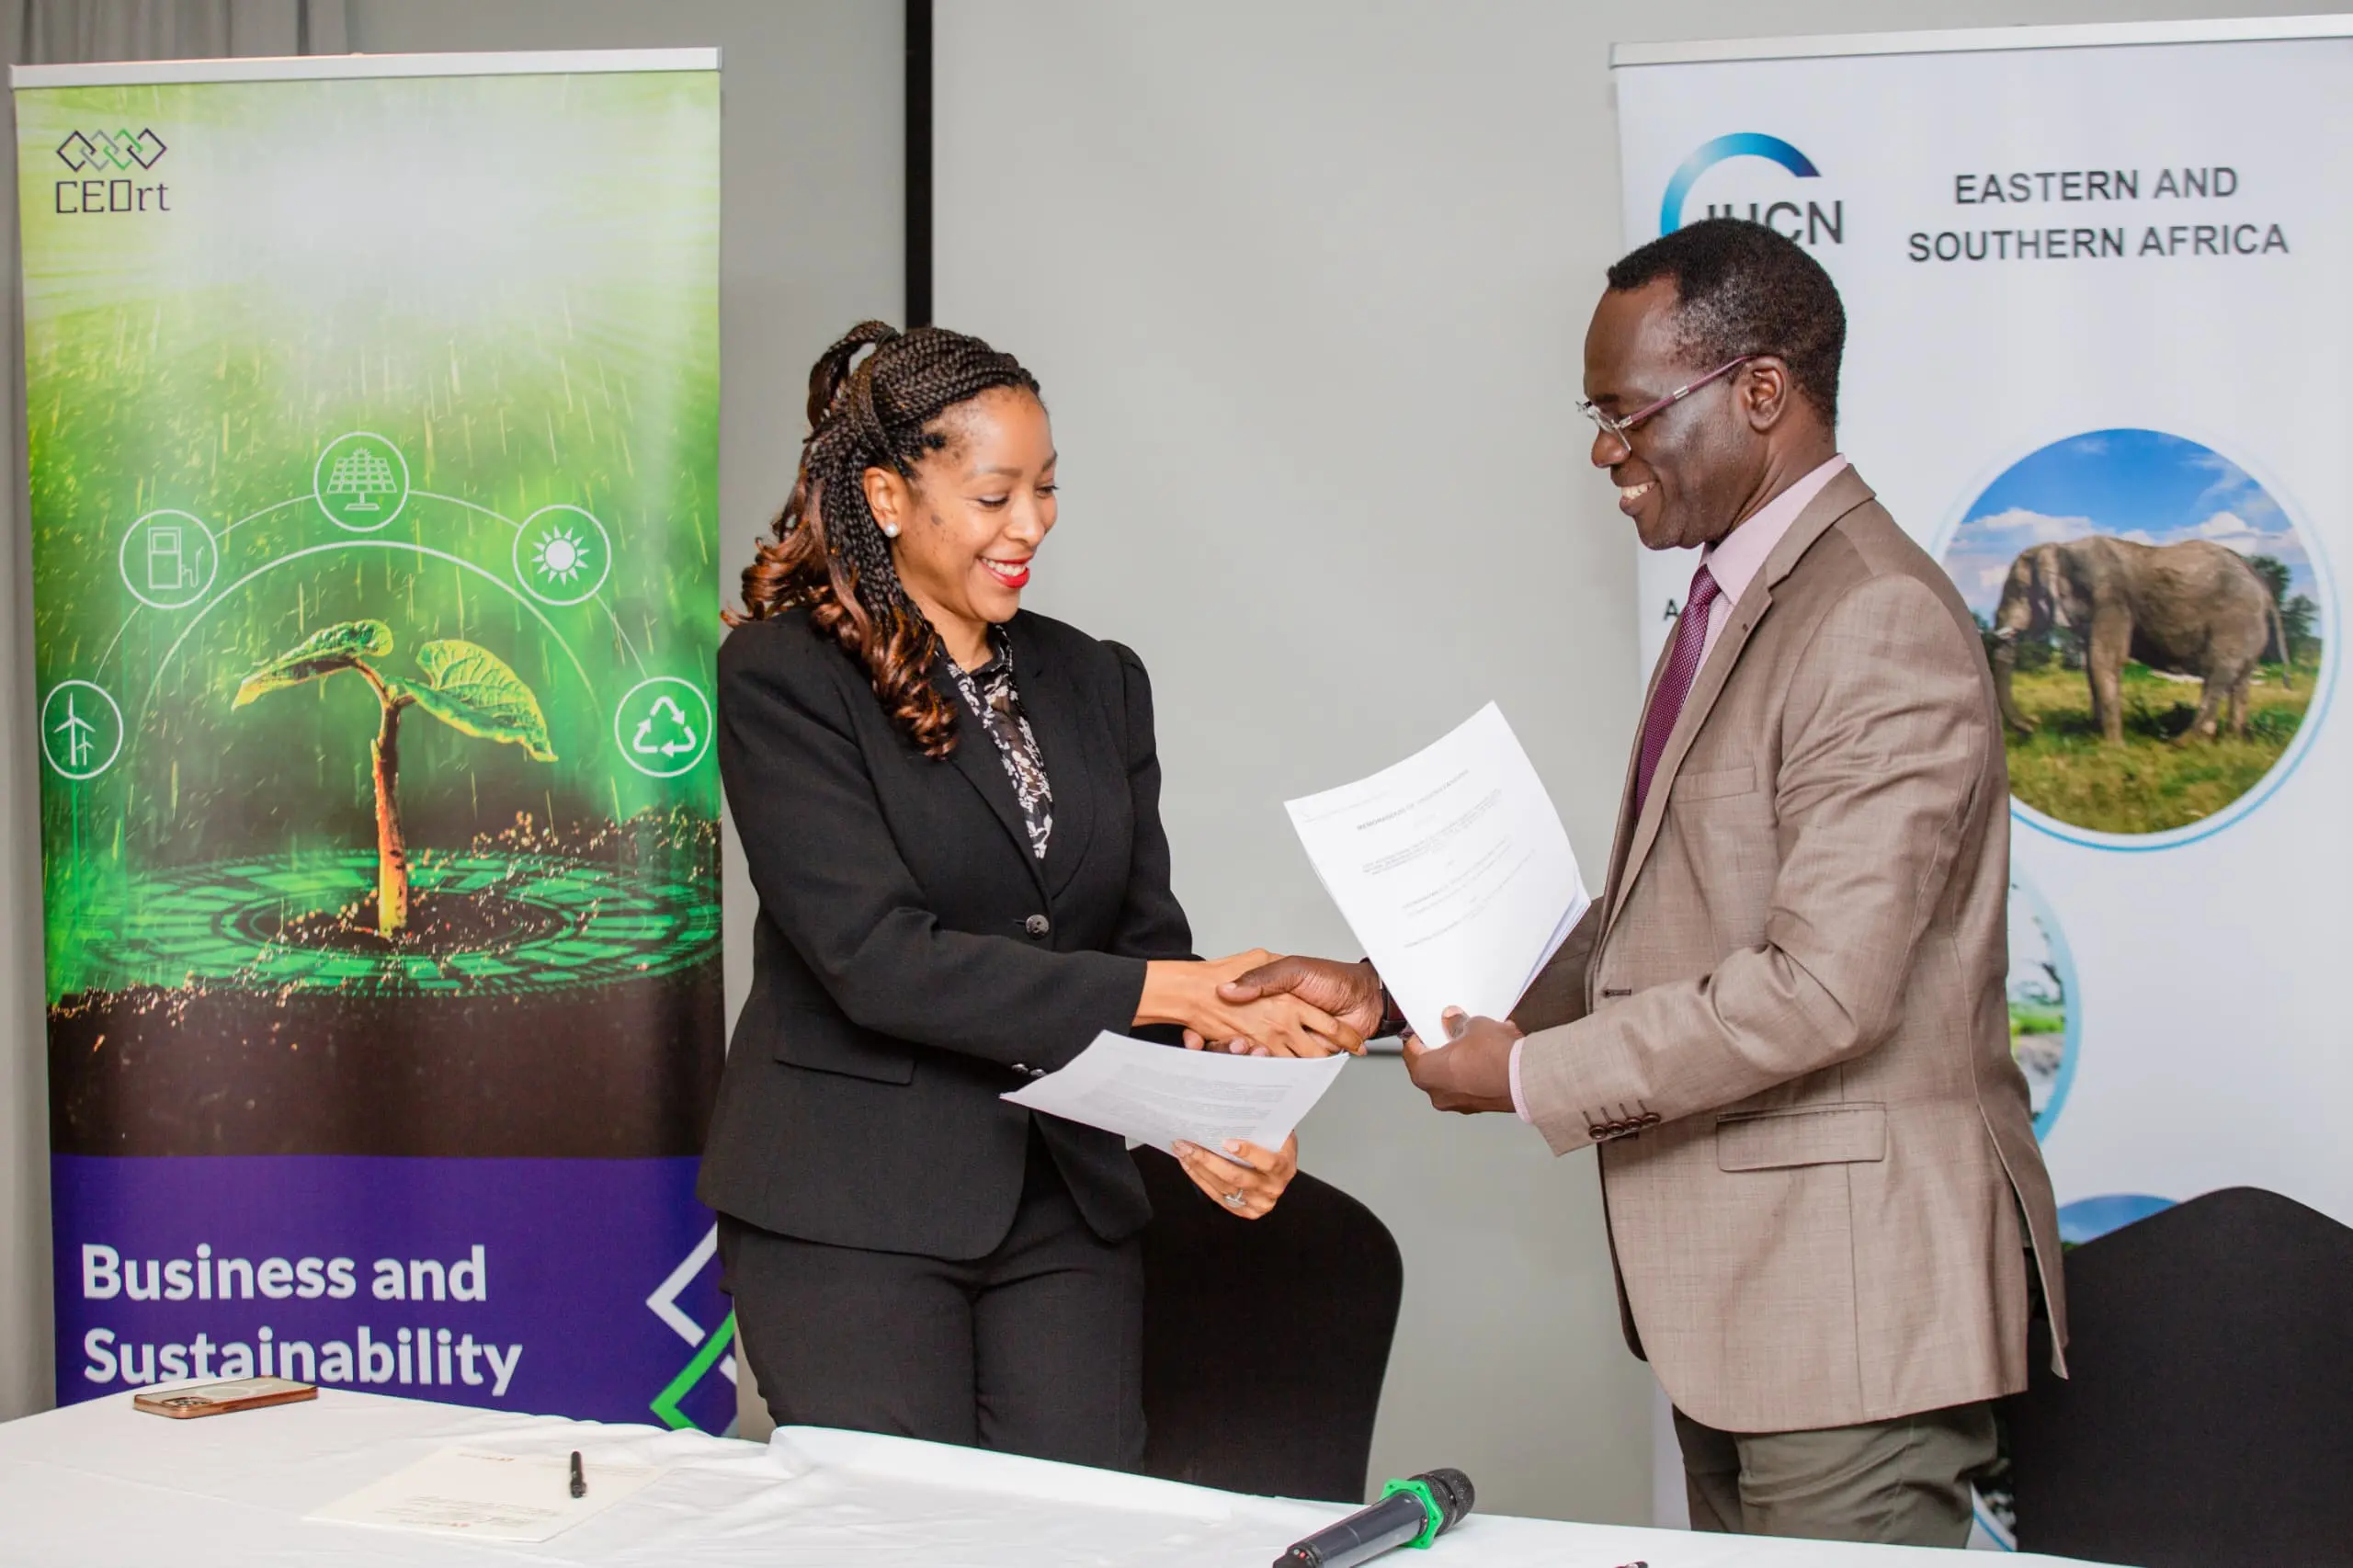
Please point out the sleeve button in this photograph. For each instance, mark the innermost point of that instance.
(1038, 926)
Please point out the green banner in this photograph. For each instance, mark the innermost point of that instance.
(373, 452)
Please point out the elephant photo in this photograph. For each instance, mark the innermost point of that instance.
(2190, 608)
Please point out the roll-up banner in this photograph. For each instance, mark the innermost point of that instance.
(373, 418)
(2095, 284)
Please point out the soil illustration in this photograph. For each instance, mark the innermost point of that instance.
(549, 995)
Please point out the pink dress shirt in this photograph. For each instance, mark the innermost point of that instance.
(1733, 561)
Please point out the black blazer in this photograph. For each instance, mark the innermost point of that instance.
(913, 959)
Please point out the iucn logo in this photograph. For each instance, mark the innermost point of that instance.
(1812, 223)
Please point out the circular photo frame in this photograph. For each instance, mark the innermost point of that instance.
(2046, 1006)
(2160, 630)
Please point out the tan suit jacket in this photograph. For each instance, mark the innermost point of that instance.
(1786, 1022)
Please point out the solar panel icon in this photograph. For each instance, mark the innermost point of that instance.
(362, 473)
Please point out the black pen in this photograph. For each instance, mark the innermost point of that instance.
(579, 1480)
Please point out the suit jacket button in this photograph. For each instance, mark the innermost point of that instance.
(1038, 926)
(1597, 1132)
(1020, 1067)
(1037, 1072)
(1650, 1119)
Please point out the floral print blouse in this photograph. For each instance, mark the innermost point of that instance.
(989, 692)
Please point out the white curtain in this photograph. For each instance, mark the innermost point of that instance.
(56, 32)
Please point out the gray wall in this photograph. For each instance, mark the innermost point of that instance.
(1306, 285)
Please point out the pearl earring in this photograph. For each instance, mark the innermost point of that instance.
(889, 532)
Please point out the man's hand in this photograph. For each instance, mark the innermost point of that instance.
(1472, 1071)
(1349, 991)
(1191, 995)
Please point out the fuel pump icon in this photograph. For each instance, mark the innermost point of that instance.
(167, 570)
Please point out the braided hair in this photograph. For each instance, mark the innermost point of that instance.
(828, 553)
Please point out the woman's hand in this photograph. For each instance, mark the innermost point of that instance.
(1247, 1180)
(1281, 1025)
(1349, 991)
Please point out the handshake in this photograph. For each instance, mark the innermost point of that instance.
(1258, 1004)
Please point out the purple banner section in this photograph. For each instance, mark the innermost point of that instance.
(581, 1287)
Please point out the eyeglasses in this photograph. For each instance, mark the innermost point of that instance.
(1623, 428)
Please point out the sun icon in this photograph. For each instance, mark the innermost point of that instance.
(561, 555)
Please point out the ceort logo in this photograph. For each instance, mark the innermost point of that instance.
(110, 150)
(1811, 224)
(105, 158)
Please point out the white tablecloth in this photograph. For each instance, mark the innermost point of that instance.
(100, 1483)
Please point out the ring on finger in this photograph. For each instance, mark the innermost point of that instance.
(1234, 1200)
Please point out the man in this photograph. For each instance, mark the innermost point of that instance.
(1785, 1020)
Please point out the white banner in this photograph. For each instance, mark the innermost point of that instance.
(2099, 294)
(2096, 313)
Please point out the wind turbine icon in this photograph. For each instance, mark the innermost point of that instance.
(80, 735)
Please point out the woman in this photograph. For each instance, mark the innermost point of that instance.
(951, 809)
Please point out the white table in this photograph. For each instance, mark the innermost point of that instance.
(101, 1483)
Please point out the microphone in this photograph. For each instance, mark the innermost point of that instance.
(1414, 1512)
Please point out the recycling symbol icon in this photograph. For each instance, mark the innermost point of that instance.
(676, 738)
(662, 726)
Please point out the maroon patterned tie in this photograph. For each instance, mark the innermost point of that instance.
(1667, 703)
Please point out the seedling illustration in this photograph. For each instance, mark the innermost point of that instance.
(466, 686)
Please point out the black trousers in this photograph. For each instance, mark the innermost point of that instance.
(1035, 1348)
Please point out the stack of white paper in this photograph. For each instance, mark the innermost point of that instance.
(1158, 1095)
(1452, 868)
(488, 1495)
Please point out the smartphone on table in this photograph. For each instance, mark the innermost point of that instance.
(219, 1399)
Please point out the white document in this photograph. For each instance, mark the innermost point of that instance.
(488, 1495)
(1158, 1094)
(1452, 868)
